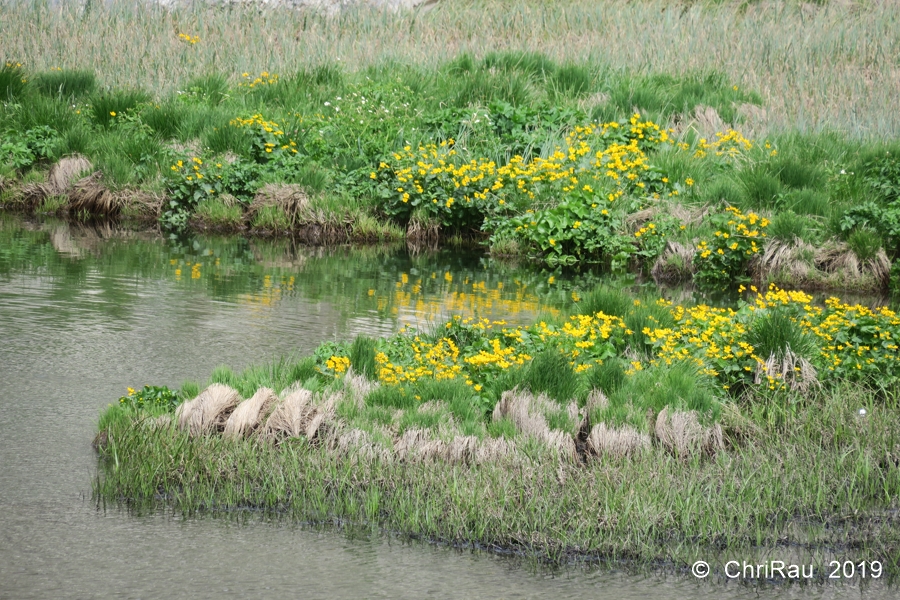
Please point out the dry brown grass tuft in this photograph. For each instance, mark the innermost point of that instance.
(688, 215)
(250, 414)
(358, 386)
(290, 417)
(140, 204)
(527, 412)
(302, 414)
(844, 269)
(738, 426)
(292, 199)
(421, 232)
(707, 122)
(418, 444)
(494, 450)
(463, 449)
(359, 445)
(66, 172)
(60, 179)
(784, 260)
(682, 433)
(675, 264)
(209, 411)
(793, 370)
(90, 197)
(616, 442)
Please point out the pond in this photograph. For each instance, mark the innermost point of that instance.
(86, 311)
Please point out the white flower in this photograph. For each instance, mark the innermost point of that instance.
(328, 104)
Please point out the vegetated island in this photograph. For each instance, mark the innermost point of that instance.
(627, 428)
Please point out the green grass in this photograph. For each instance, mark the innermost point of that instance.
(277, 375)
(362, 356)
(66, 84)
(774, 333)
(216, 212)
(13, 80)
(788, 226)
(550, 373)
(680, 387)
(53, 204)
(272, 218)
(107, 107)
(666, 95)
(686, 509)
(864, 242)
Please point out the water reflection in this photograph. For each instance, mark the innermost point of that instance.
(379, 282)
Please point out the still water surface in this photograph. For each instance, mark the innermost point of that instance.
(87, 311)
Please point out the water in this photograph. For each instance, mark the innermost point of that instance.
(86, 312)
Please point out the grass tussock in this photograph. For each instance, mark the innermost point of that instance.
(209, 411)
(250, 414)
(91, 198)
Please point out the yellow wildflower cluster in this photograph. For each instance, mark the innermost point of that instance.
(730, 144)
(194, 171)
(852, 342)
(594, 154)
(854, 337)
(252, 81)
(738, 237)
(647, 230)
(257, 119)
(748, 226)
(338, 364)
(189, 39)
(600, 160)
(439, 360)
(712, 338)
(492, 348)
(435, 163)
(268, 136)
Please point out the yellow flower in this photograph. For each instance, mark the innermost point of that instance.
(112, 113)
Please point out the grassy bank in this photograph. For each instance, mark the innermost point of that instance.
(629, 429)
(540, 153)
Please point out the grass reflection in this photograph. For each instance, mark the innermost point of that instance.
(386, 282)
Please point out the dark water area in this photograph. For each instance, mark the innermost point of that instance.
(86, 311)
